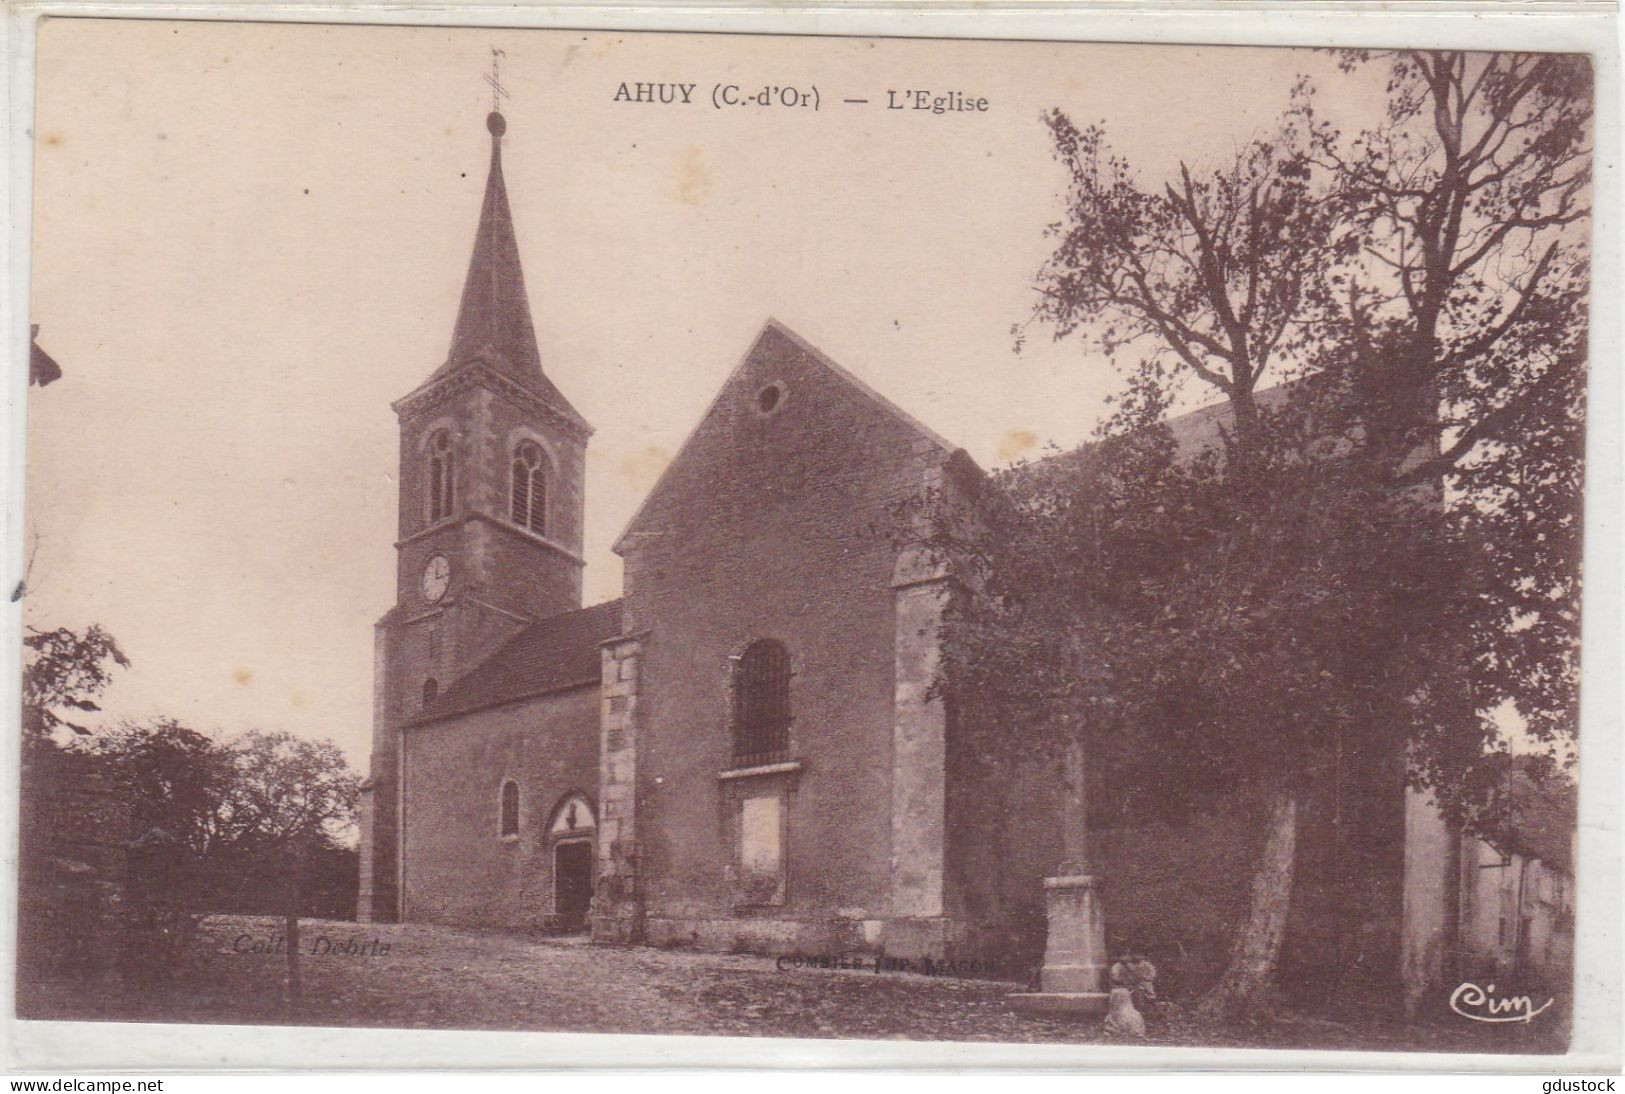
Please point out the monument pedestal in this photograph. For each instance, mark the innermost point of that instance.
(1074, 978)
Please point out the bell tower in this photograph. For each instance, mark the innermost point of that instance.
(492, 471)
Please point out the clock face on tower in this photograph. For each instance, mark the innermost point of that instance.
(436, 577)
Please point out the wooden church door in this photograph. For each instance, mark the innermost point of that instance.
(572, 882)
(572, 830)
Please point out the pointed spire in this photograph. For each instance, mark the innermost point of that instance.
(493, 320)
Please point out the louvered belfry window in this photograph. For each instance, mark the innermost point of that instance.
(440, 476)
(528, 501)
(761, 711)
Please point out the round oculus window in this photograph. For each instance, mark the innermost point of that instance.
(770, 398)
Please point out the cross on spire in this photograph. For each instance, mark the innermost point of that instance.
(498, 92)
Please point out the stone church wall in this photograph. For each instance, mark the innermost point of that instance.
(459, 868)
(1003, 840)
(773, 525)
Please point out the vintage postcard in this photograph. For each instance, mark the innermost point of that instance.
(851, 538)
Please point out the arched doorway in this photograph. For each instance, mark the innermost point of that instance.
(572, 833)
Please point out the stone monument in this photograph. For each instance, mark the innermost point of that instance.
(1073, 979)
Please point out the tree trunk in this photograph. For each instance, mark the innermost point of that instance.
(1258, 938)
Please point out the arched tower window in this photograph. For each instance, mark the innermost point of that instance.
(761, 704)
(440, 476)
(510, 808)
(528, 502)
(431, 688)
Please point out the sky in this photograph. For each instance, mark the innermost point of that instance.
(250, 238)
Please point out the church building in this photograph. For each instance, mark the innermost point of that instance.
(744, 751)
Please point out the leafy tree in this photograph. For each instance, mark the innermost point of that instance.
(213, 813)
(208, 816)
(1462, 331)
(1243, 614)
(64, 671)
(289, 797)
(285, 787)
(252, 791)
(178, 779)
(1216, 273)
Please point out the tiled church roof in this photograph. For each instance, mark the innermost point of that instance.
(551, 655)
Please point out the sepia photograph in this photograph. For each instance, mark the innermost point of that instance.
(769, 536)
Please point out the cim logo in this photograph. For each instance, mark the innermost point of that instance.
(1482, 1005)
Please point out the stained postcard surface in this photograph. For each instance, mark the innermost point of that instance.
(736, 535)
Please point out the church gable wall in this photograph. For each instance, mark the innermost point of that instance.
(460, 869)
(772, 524)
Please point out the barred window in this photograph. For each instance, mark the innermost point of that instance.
(510, 808)
(761, 704)
(440, 476)
(528, 500)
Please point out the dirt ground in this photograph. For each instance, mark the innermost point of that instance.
(420, 976)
